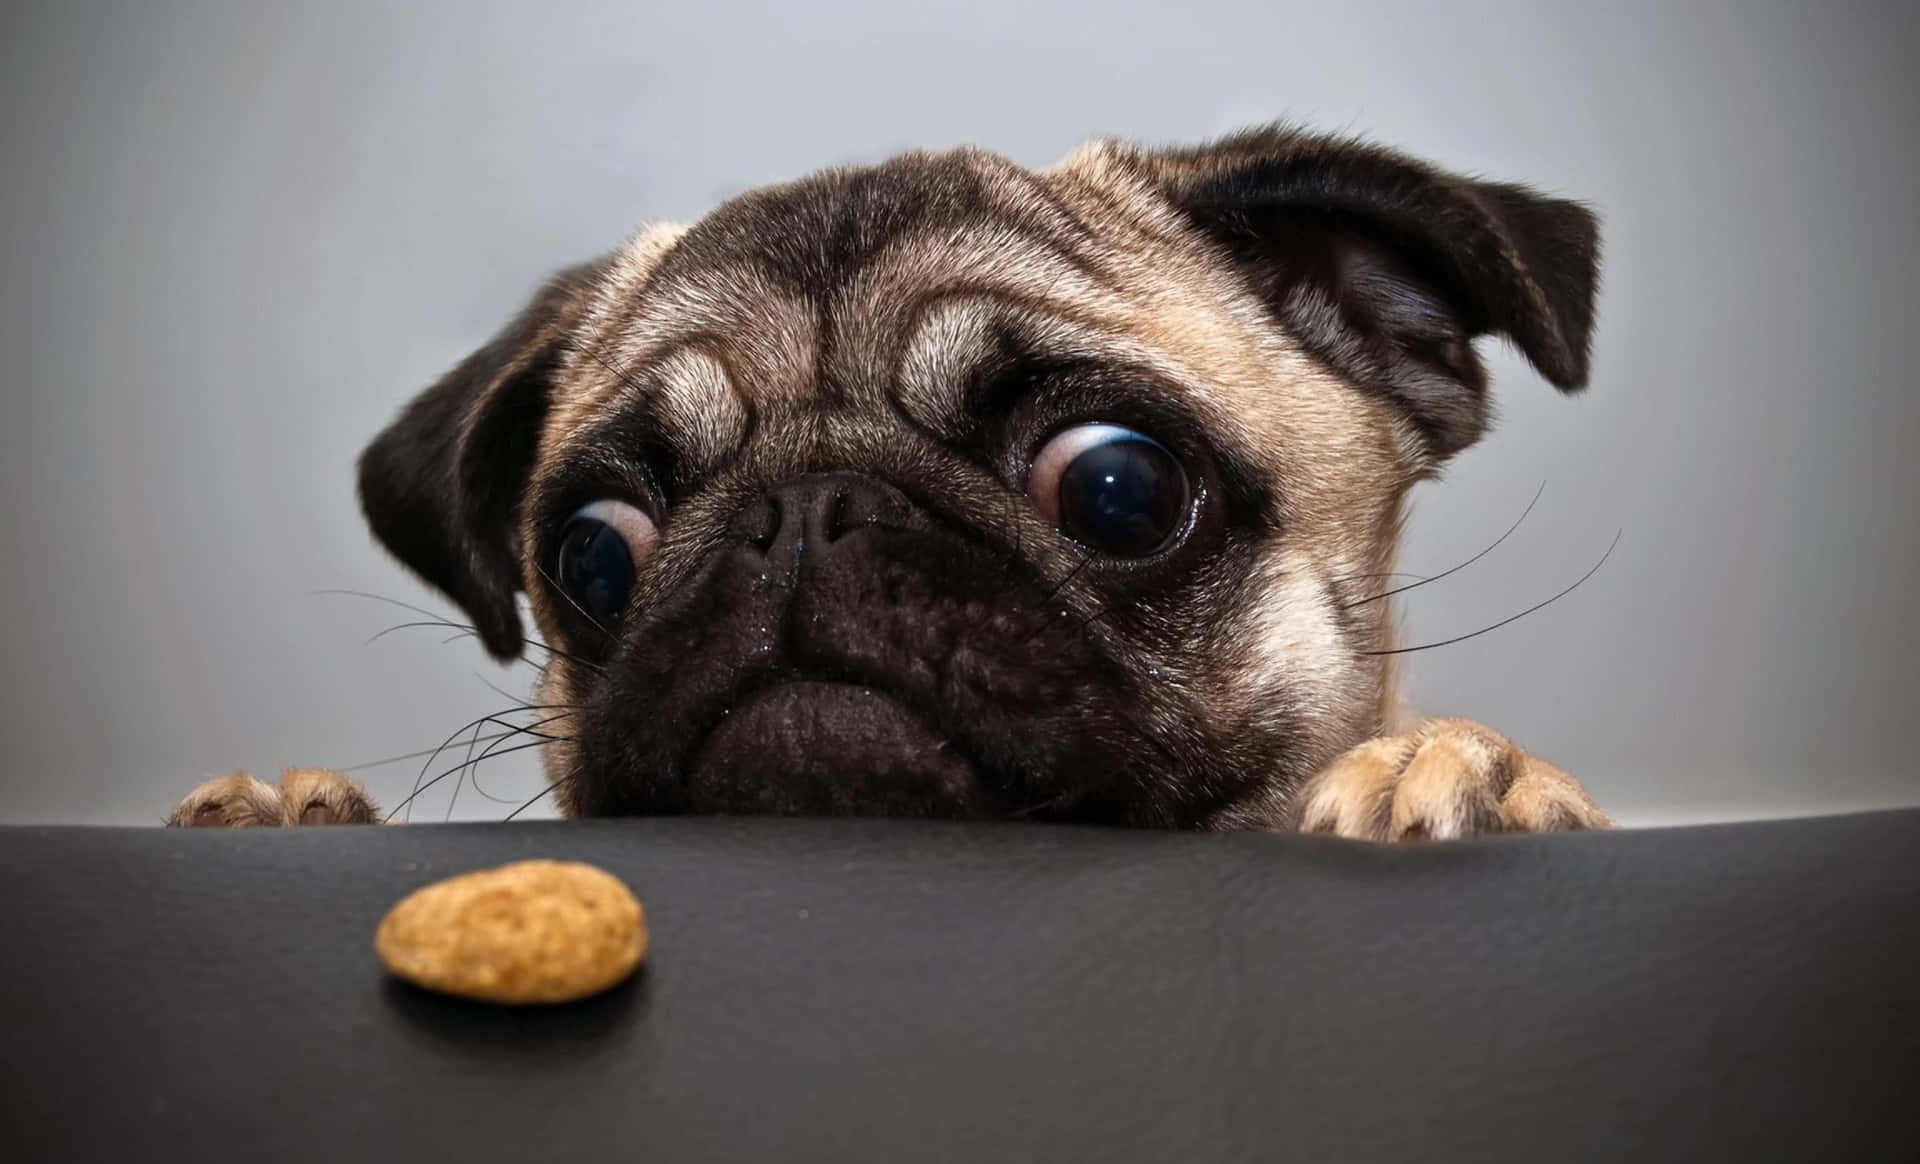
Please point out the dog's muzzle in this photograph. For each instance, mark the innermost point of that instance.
(847, 651)
(815, 726)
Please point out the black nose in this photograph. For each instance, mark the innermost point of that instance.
(809, 513)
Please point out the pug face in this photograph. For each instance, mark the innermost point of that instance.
(947, 487)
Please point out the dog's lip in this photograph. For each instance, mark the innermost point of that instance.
(749, 698)
(822, 740)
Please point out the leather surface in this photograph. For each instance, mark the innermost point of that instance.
(821, 990)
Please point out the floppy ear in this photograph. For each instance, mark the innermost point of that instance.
(441, 485)
(1387, 268)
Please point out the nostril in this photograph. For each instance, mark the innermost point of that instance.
(811, 512)
(759, 523)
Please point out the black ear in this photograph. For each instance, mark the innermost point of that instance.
(441, 486)
(1388, 268)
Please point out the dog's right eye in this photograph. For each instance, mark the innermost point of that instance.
(598, 549)
(1119, 491)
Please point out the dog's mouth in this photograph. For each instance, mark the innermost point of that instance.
(816, 746)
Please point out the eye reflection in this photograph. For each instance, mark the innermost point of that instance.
(599, 548)
(1113, 489)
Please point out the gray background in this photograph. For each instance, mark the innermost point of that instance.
(237, 237)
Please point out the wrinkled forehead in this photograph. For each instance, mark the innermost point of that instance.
(887, 289)
(815, 239)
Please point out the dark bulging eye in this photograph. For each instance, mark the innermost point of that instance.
(594, 565)
(1111, 488)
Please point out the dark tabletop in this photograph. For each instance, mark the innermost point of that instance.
(895, 991)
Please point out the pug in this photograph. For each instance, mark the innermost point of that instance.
(946, 487)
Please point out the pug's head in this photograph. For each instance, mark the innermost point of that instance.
(948, 487)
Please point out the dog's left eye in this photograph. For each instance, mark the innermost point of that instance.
(598, 548)
(1119, 491)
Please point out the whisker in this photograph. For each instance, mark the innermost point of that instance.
(1511, 618)
(542, 742)
(565, 709)
(617, 374)
(1071, 575)
(590, 665)
(592, 621)
(535, 799)
(493, 717)
(504, 693)
(532, 729)
(1152, 741)
(490, 796)
(1096, 616)
(403, 756)
(442, 620)
(412, 625)
(473, 778)
(383, 598)
(472, 742)
(1455, 570)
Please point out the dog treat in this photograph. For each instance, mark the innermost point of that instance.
(529, 932)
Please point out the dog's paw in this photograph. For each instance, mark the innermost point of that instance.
(306, 796)
(318, 796)
(1452, 778)
(233, 801)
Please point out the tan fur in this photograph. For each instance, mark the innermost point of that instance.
(728, 344)
(306, 796)
(1109, 268)
(313, 796)
(233, 801)
(1452, 778)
